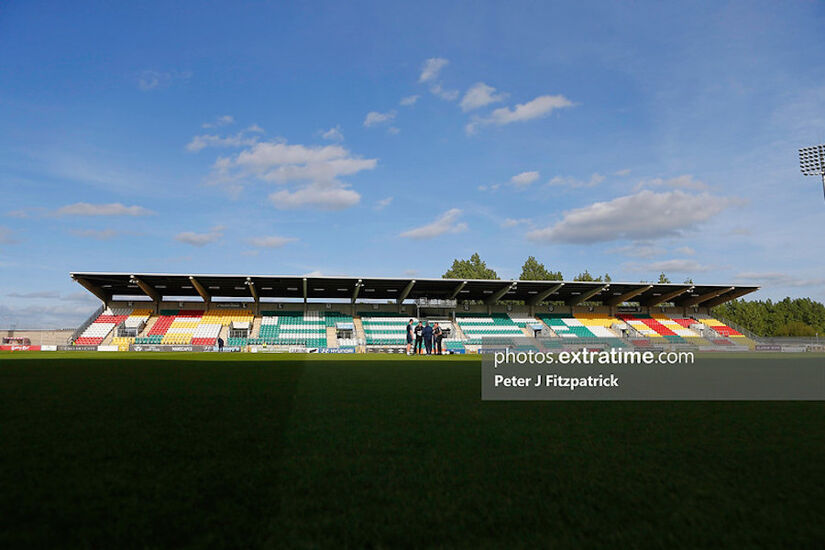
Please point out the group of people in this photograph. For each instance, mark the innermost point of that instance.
(424, 337)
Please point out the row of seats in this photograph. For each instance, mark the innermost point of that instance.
(489, 327)
(297, 328)
(100, 328)
(385, 329)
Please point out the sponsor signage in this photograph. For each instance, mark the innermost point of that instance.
(76, 348)
(107, 348)
(261, 349)
(336, 350)
(768, 347)
(16, 347)
(164, 347)
(385, 349)
(299, 349)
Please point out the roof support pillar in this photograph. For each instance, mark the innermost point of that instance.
(719, 300)
(457, 290)
(656, 300)
(499, 294)
(544, 294)
(576, 300)
(356, 290)
(207, 299)
(254, 292)
(696, 300)
(406, 292)
(94, 289)
(616, 300)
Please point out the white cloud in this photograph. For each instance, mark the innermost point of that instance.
(224, 120)
(273, 241)
(315, 168)
(446, 223)
(383, 203)
(639, 250)
(513, 222)
(100, 235)
(374, 118)
(154, 80)
(113, 209)
(201, 239)
(680, 182)
(409, 100)
(241, 139)
(645, 215)
(432, 67)
(52, 314)
(672, 266)
(623, 172)
(524, 179)
(333, 134)
(326, 196)
(536, 108)
(24, 213)
(777, 279)
(440, 91)
(36, 295)
(393, 131)
(685, 251)
(573, 183)
(479, 95)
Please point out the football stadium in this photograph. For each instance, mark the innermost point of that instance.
(412, 275)
(179, 312)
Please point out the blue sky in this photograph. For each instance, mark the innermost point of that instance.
(376, 139)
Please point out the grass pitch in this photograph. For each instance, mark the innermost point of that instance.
(156, 450)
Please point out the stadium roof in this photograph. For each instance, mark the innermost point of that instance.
(158, 285)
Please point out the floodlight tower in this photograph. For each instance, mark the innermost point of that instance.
(812, 162)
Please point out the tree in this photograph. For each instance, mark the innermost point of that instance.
(799, 317)
(688, 281)
(586, 276)
(533, 270)
(795, 328)
(474, 268)
(663, 278)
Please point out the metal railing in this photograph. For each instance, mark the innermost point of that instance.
(76, 334)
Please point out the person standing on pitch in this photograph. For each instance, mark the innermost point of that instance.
(438, 334)
(220, 343)
(409, 335)
(419, 338)
(428, 337)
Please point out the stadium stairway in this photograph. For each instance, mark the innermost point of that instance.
(332, 337)
(256, 327)
(458, 333)
(359, 329)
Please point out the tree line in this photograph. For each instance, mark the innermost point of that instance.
(532, 270)
(798, 317)
(790, 317)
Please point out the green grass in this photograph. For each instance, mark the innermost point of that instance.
(192, 450)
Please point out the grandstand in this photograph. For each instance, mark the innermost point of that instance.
(276, 313)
